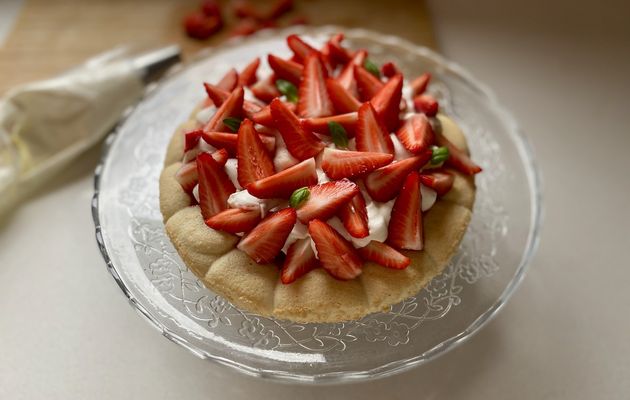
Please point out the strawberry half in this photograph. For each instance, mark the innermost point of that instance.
(438, 180)
(229, 141)
(384, 183)
(338, 53)
(457, 158)
(354, 216)
(286, 69)
(386, 102)
(338, 257)
(372, 135)
(320, 125)
(264, 242)
(405, 224)
(390, 69)
(254, 162)
(300, 48)
(338, 164)
(346, 76)
(325, 199)
(247, 77)
(426, 104)
(341, 98)
(299, 261)
(235, 220)
(384, 255)
(187, 176)
(419, 85)
(302, 144)
(314, 100)
(218, 97)
(266, 89)
(214, 186)
(283, 183)
(367, 84)
(232, 107)
(416, 134)
(191, 139)
(263, 117)
(229, 80)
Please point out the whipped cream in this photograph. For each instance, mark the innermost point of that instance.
(231, 169)
(400, 152)
(283, 159)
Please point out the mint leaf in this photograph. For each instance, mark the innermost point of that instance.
(299, 196)
(288, 89)
(233, 123)
(440, 154)
(372, 68)
(338, 134)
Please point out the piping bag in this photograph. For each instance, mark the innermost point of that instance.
(44, 125)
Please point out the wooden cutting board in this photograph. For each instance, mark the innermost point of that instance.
(51, 36)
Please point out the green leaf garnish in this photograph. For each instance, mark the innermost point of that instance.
(372, 68)
(440, 154)
(339, 135)
(288, 89)
(299, 196)
(233, 123)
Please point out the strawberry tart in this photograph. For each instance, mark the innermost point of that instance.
(326, 191)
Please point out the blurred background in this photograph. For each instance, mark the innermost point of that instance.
(562, 68)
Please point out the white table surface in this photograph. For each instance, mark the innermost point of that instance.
(67, 332)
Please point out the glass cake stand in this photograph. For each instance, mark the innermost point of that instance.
(491, 261)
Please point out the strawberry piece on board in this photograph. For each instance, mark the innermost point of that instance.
(300, 48)
(286, 69)
(342, 100)
(354, 216)
(426, 104)
(254, 162)
(439, 180)
(371, 133)
(299, 261)
(214, 186)
(387, 100)
(284, 183)
(384, 183)
(338, 164)
(416, 134)
(325, 200)
(302, 144)
(384, 255)
(232, 107)
(336, 255)
(457, 158)
(264, 242)
(247, 77)
(367, 84)
(314, 100)
(235, 220)
(405, 225)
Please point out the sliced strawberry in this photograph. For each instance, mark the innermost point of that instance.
(221, 156)
(384, 183)
(266, 89)
(387, 100)
(191, 139)
(426, 104)
(283, 183)
(439, 180)
(264, 242)
(187, 176)
(263, 117)
(367, 84)
(390, 69)
(325, 200)
(286, 69)
(458, 158)
(372, 135)
(254, 162)
(245, 9)
(218, 97)
(384, 255)
(299, 261)
(314, 100)
(245, 27)
(269, 142)
(338, 257)
(342, 100)
(214, 186)
(354, 216)
(201, 26)
(327, 61)
(235, 220)
(338, 53)
(221, 140)
(300, 48)
(405, 225)
(338, 164)
(301, 143)
(229, 80)
(320, 125)
(346, 76)
(232, 107)
(416, 134)
(419, 85)
(247, 77)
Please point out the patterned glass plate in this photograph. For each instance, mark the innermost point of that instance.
(500, 241)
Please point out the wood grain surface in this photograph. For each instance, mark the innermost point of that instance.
(51, 36)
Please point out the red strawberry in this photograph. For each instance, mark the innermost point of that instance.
(244, 9)
(371, 134)
(338, 164)
(416, 134)
(387, 100)
(438, 180)
(214, 186)
(338, 257)
(314, 100)
(200, 26)
(300, 48)
(327, 61)
(210, 8)
(279, 8)
(221, 156)
(229, 80)
(264, 242)
(320, 125)
(390, 69)
(384, 183)
(218, 97)
(302, 144)
(222, 140)
(337, 52)
(354, 216)
(283, 183)
(342, 100)
(405, 224)
(235, 220)
(299, 261)
(263, 117)
(232, 107)
(245, 27)
(266, 89)
(458, 158)
(346, 76)
(254, 162)
(187, 176)
(419, 85)
(367, 84)
(247, 77)
(384, 255)
(426, 104)
(191, 139)
(325, 199)
(286, 69)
